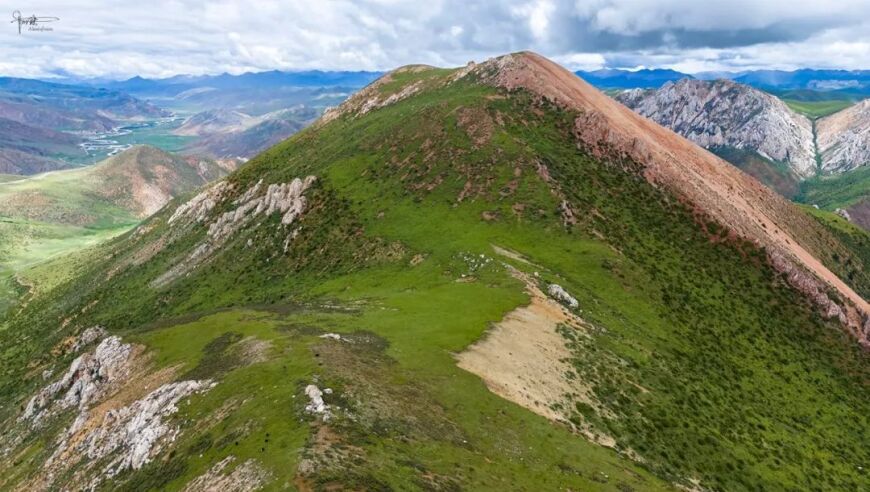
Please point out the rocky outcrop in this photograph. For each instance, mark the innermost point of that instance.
(372, 97)
(844, 138)
(723, 113)
(134, 433)
(558, 293)
(285, 198)
(111, 430)
(85, 381)
(808, 284)
(316, 405)
(197, 208)
(89, 336)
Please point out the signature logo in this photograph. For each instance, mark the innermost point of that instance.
(32, 22)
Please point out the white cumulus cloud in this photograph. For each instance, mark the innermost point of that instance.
(159, 38)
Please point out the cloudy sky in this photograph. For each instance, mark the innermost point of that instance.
(157, 38)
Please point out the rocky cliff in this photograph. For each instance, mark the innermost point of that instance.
(722, 113)
(844, 138)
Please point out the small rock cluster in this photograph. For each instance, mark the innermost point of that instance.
(843, 213)
(474, 262)
(88, 337)
(316, 405)
(245, 477)
(557, 292)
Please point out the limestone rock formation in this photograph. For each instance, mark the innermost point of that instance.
(285, 198)
(84, 381)
(844, 138)
(723, 113)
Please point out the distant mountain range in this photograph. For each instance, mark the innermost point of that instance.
(252, 93)
(272, 79)
(627, 79)
(47, 125)
(854, 83)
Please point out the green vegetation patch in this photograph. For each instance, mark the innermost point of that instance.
(817, 109)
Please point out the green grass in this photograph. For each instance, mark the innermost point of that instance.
(836, 191)
(744, 385)
(818, 109)
(25, 244)
(55, 213)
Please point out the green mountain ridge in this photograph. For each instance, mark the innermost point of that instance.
(482, 278)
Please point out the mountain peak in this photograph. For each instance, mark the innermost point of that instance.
(610, 130)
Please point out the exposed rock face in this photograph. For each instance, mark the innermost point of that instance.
(285, 198)
(371, 98)
(807, 284)
(198, 207)
(113, 432)
(723, 113)
(85, 381)
(89, 336)
(844, 138)
(135, 431)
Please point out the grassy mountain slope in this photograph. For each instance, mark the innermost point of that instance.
(846, 191)
(774, 174)
(57, 212)
(445, 203)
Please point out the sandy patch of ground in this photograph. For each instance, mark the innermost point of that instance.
(524, 359)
